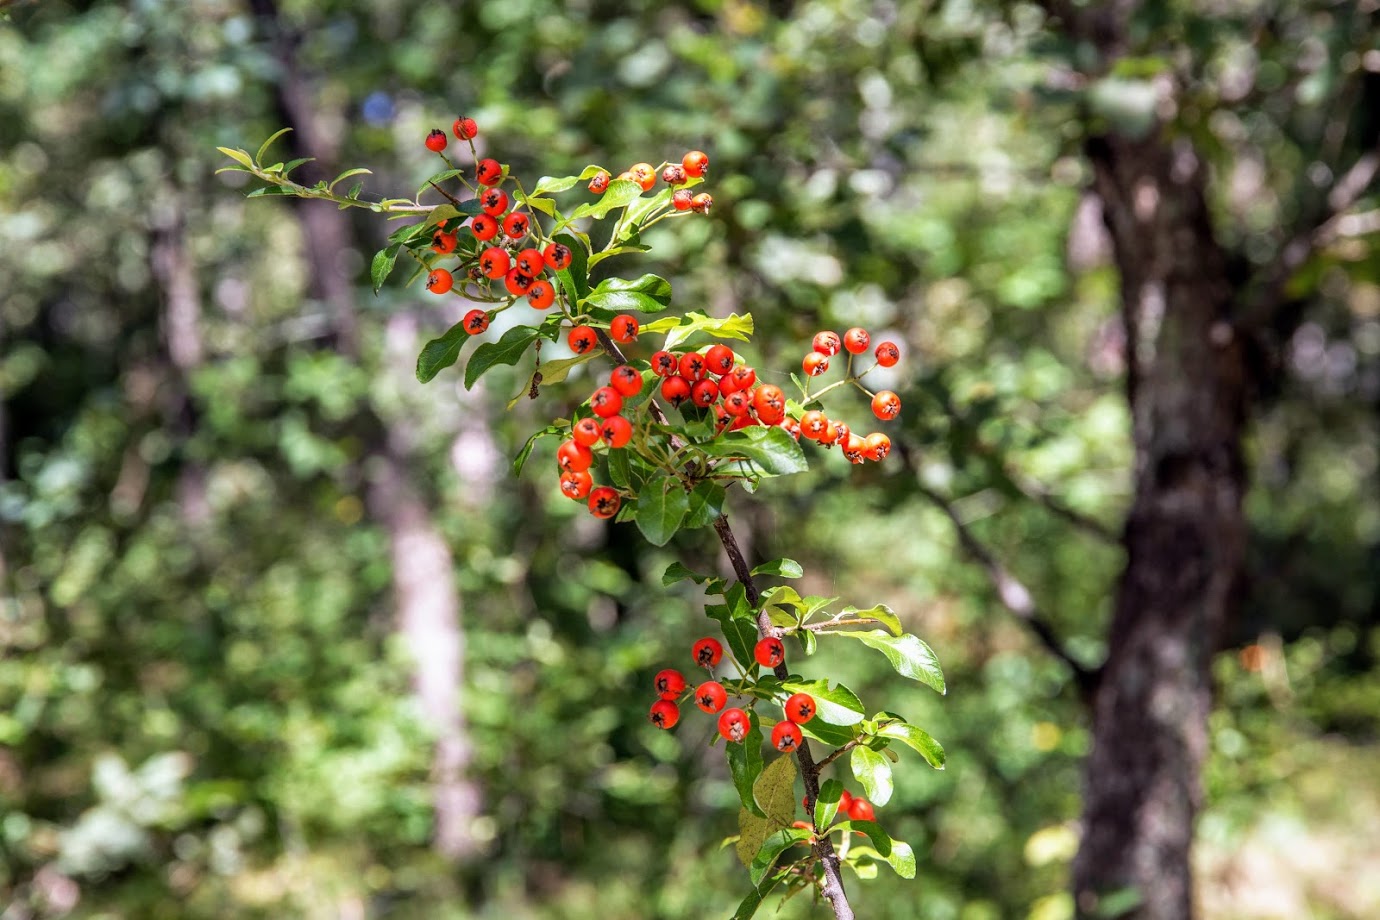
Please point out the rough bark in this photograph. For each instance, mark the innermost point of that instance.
(1184, 537)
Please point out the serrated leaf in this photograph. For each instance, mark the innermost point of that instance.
(259, 157)
(357, 171)
(770, 451)
(239, 156)
(382, 267)
(916, 738)
(745, 766)
(660, 511)
(771, 850)
(706, 504)
(620, 192)
(784, 568)
(549, 185)
(509, 349)
(835, 705)
(521, 459)
(910, 656)
(440, 353)
(874, 772)
(678, 572)
(827, 803)
(774, 791)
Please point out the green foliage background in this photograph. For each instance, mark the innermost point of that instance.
(204, 711)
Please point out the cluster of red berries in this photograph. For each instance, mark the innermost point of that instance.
(854, 807)
(576, 454)
(711, 696)
(886, 405)
(691, 166)
(714, 378)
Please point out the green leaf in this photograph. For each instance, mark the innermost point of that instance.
(678, 572)
(259, 157)
(680, 329)
(754, 900)
(653, 287)
(874, 772)
(745, 766)
(774, 790)
(770, 451)
(832, 735)
(827, 803)
(549, 185)
(896, 852)
(574, 278)
(521, 459)
(771, 850)
(271, 190)
(239, 156)
(837, 705)
(907, 653)
(620, 192)
(740, 633)
(620, 474)
(660, 511)
(706, 504)
(881, 613)
(507, 350)
(357, 171)
(439, 354)
(552, 372)
(916, 738)
(382, 266)
(785, 568)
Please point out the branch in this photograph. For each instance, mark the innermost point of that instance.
(832, 888)
(1013, 595)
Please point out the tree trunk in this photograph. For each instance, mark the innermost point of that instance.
(1184, 537)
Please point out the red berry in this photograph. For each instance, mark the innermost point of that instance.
(845, 800)
(664, 364)
(718, 359)
(708, 652)
(576, 483)
(711, 696)
(786, 737)
(541, 295)
(738, 403)
(586, 431)
(744, 421)
(624, 328)
(476, 322)
(770, 403)
(444, 242)
(494, 201)
(574, 456)
(436, 140)
(856, 340)
(830, 434)
(734, 724)
(465, 129)
(617, 431)
(701, 203)
(695, 163)
(600, 183)
(626, 379)
(800, 707)
(557, 256)
(644, 175)
(674, 174)
(606, 402)
(582, 339)
(704, 392)
(692, 365)
(769, 652)
(439, 281)
(669, 683)
(827, 343)
(484, 227)
(815, 364)
(683, 199)
(860, 809)
(495, 262)
(488, 172)
(743, 377)
(516, 226)
(604, 502)
(854, 448)
(675, 390)
(886, 405)
(516, 282)
(530, 262)
(792, 427)
(887, 354)
(664, 714)
(878, 446)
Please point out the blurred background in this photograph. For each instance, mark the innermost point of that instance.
(281, 636)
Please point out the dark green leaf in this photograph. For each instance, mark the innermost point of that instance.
(740, 633)
(770, 451)
(837, 705)
(439, 354)
(521, 459)
(827, 803)
(269, 191)
(660, 511)
(574, 278)
(382, 267)
(832, 735)
(745, 765)
(507, 350)
(620, 474)
(706, 504)
(651, 286)
(916, 738)
(677, 572)
(874, 772)
(771, 850)
(623, 302)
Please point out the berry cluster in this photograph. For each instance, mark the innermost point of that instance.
(712, 696)
(815, 425)
(691, 166)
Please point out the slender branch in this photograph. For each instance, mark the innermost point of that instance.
(837, 753)
(809, 770)
(1013, 595)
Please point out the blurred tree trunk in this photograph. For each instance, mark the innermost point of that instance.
(426, 599)
(1184, 537)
